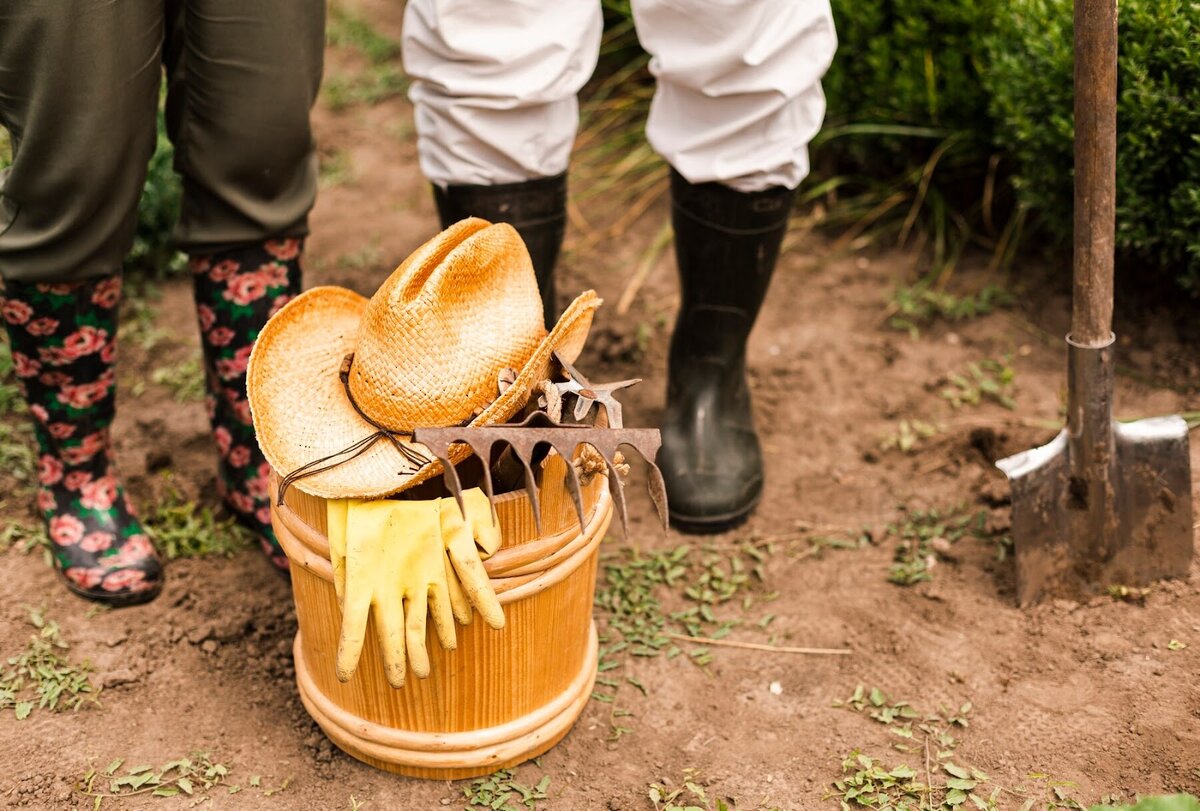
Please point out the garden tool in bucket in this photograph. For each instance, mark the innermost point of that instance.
(344, 392)
(1105, 502)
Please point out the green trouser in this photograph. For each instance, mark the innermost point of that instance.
(79, 86)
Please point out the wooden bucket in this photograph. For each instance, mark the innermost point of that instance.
(502, 697)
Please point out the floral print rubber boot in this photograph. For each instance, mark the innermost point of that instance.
(63, 341)
(236, 292)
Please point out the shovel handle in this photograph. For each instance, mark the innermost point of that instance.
(1095, 169)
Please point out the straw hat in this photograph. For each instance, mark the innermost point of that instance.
(428, 349)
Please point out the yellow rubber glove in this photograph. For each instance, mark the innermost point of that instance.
(388, 562)
(468, 543)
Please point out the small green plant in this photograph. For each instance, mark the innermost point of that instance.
(197, 776)
(17, 456)
(926, 534)
(639, 591)
(40, 677)
(986, 380)
(908, 436)
(153, 252)
(345, 29)
(27, 536)
(11, 401)
(137, 325)
(183, 529)
(1128, 594)
(503, 792)
(1174, 802)
(924, 303)
(336, 168)
(185, 379)
(693, 795)
(368, 256)
(189, 776)
(381, 80)
(18, 459)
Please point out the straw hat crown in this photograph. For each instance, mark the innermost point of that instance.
(435, 334)
(428, 349)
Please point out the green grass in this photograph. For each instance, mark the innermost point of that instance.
(909, 436)
(42, 677)
(503, 792)
(18, 458)
(648, 599)
(337, 167)
(381, 80)
(914, 307)
(137, 321)
(197, 777)
(988, 380)
(696, 794)
(185, 379)
(183, 529)
(924, 535)
(345, 29)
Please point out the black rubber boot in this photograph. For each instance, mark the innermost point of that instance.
(726, 244)
(536, 208)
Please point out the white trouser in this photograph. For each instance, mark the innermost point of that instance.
(738, 96)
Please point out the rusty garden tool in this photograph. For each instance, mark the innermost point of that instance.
(1104, 503)
(538, 430)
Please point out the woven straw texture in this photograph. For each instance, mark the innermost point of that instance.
(428, 349)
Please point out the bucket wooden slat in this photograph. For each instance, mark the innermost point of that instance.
(501, 697)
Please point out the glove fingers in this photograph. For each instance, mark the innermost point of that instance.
(389, 626)
(442, 614)
(486, 531)
(459, 603)
(475, 582)
(414, 631)
(354, 630)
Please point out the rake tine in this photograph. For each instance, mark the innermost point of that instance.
(658, 491)
(531, 490)
(617, 490)
(451, 477)
(523, 448)
(486, 458)
(573, 484)
(582, 407)
(612, 408)
(654, 482)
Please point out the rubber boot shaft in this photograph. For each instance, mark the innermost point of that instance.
(726, 246)
(63, 342)
(536, 208)
(236, 291)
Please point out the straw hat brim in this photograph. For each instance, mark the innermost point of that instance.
(301, 412)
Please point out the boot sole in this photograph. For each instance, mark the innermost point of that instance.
(712, 524)
(113, 600)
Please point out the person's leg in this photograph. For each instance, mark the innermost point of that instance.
(738, 100)
(78, 85)
(494, 96)
(242, 80)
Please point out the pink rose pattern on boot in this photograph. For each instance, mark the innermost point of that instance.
(236, 292)
(63, 340)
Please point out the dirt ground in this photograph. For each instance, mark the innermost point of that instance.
(1090, 698)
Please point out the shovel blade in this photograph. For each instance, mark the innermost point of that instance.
(1065, 547)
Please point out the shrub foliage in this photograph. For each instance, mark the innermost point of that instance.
(1029, 83)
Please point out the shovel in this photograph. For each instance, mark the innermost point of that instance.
(1105, 503)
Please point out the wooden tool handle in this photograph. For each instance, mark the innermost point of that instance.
(1095, 169)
